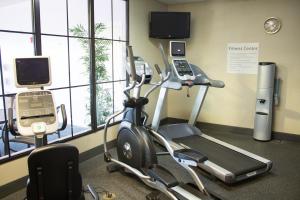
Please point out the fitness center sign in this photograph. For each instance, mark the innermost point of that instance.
(242, 58)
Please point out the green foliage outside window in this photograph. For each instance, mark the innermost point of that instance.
(103, 95)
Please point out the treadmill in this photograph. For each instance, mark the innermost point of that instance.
(227, 162)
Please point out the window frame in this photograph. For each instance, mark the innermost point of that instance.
(37, 45)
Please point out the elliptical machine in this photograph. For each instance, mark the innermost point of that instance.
(135, 147)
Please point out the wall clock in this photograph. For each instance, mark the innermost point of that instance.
(272, 25)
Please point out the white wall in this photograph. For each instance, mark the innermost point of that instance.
(218, 22)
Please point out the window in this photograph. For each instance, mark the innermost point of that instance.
(21, 21)
(78, 50)
(53, 17)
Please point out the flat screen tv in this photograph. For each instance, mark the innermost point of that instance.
(170, 25)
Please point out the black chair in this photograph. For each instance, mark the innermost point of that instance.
(54, 173)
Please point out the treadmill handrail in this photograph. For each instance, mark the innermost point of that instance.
(203, 79)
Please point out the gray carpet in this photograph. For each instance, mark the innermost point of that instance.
(282, 183)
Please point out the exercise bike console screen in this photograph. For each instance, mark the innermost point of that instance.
(183, 69)
(32, 71)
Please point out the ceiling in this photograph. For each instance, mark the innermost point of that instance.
(178, 1)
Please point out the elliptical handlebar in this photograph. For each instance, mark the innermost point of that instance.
(136, 93)
(157, 69)
(132, 73)
(132, 64)
(142, 81)
(10, 122)
(162, 80)
(165, 59)
(108, 157)
(62, 109)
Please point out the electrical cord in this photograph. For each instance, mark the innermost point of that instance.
(103, 193)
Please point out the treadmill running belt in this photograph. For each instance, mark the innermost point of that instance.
(231, 160)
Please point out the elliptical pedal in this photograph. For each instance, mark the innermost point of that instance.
(194, 190)
(113, 168)
(157, 195)
(161, 174)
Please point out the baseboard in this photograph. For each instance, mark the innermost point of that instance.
(20, 183)
(286, 136)
(96, 151)
(233, 129)
(12, 187)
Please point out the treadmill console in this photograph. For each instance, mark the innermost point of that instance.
(177, 48)
(183, 69)
(181, 66)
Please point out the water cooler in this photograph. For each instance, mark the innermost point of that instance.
(264, 101)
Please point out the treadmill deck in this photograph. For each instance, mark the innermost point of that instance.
(229, 159)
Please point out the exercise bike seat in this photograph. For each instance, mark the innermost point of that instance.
(190, 155)
(162, 175)
(54, 173)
